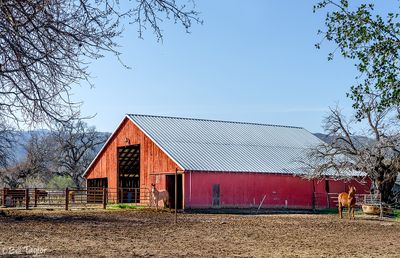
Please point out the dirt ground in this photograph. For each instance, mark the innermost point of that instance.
(126, 233)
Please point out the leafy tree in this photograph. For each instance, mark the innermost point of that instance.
(60, 182)
(372, 41)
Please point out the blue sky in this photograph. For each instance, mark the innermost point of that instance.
(250, 61)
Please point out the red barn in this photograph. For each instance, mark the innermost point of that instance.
(220, 163)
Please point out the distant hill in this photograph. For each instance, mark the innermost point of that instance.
(361, 140)
(21, 138)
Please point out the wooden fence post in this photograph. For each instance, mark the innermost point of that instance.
(4, 196)
(380, 206)
(136, 196)
(66, 198)
(104, 198)
(27, 198)
(35, 197)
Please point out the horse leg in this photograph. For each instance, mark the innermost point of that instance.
(349, 211)
(353, 212)
(167, 203)
(340, 210)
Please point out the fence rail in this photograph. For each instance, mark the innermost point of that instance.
(330, 200)
(71, 197)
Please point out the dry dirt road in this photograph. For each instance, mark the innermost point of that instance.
(127, 233)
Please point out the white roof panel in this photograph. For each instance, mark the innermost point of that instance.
(212, 145)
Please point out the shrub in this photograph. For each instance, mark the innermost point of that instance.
(60, 182)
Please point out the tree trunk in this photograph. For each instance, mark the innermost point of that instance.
(385, 185)
(77, 181)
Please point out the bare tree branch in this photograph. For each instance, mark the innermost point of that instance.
(76, 147)
(47, 45)
(378, 156)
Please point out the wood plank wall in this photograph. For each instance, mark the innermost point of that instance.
(152, 159)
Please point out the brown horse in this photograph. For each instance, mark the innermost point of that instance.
(348, 200)
(156, 196)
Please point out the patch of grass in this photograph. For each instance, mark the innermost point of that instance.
(396, 214)
(122, 206)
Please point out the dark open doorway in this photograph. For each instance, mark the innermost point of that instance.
(129, 173)
(170, 183)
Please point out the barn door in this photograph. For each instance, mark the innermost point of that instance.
(215, 195)
(170, 187)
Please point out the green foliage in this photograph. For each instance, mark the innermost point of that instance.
(373, 42)
(60, 182)
(396, 214)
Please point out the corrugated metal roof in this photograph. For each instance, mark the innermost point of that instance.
(212, 145)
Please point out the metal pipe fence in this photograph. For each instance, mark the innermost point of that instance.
(91, 197)
(330, 200)
(137, 196)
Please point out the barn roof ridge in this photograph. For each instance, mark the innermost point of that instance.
(236, 144)
(216, 120)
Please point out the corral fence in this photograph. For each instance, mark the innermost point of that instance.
(99, 197)
(369, 203)
(91, 197)
(277, 201)
(330, 200)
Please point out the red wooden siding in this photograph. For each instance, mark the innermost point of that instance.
(152, 159)
(248, 189)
